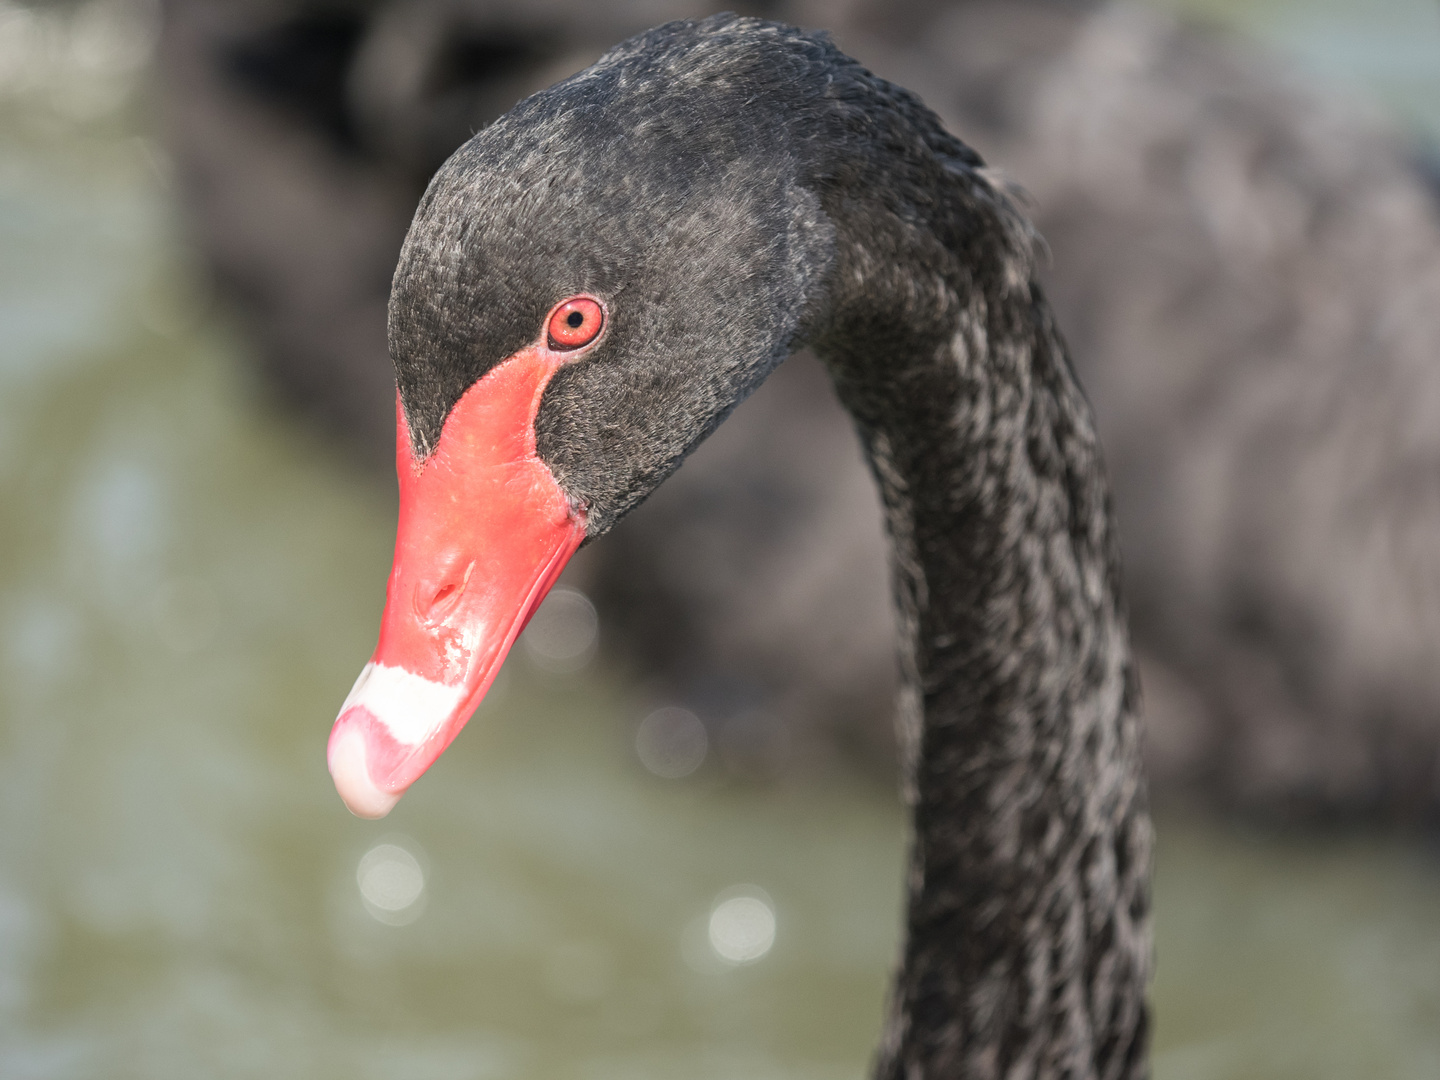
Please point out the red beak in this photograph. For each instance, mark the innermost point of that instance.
(484, 532)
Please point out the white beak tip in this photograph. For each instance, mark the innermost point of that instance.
(351, 773)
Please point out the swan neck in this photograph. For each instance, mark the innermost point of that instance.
(1027, 928)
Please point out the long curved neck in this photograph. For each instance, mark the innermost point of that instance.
(1027, 946)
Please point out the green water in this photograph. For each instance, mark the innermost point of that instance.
(189, 584)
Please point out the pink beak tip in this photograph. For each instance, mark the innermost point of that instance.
(349, 768)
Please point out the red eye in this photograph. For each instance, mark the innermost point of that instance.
(576, 322)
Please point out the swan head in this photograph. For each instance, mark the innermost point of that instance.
(589, 286)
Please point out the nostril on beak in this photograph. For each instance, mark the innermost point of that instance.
(439, 603)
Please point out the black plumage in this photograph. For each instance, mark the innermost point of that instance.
(734, 190)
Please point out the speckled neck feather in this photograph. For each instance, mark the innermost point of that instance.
(1028, 936)
(735, 189)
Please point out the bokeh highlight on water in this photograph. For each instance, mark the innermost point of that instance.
(577, 890)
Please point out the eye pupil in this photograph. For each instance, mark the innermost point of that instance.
(575, 319)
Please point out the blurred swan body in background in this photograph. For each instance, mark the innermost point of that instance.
(1246, 269)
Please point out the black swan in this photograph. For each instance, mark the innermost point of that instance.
(589, 287)
(1235, 255)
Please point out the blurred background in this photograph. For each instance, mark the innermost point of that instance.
(669, 843)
